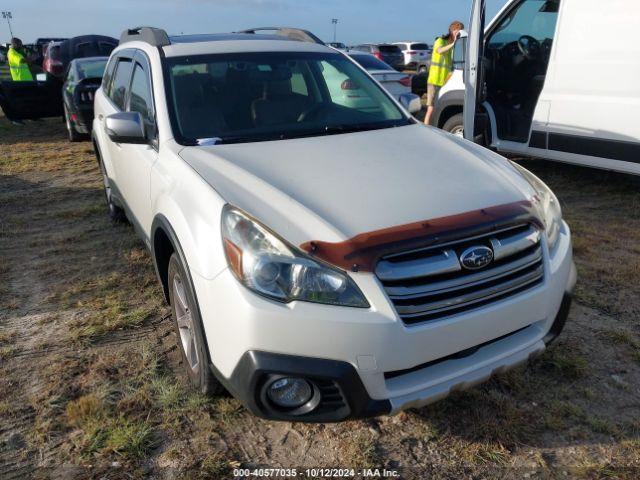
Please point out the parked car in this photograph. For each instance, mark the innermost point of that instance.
(58, 55)
(83, 78)
(417, 55)
(419, 83)
(389, 54)
(3, 55)
(396, 83)
(542, 95)
(312, 270)
(41, 46)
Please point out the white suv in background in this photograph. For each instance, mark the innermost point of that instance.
(313, 271)
(417, 55)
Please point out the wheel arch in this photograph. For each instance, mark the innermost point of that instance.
(448, 105)
(164, 242)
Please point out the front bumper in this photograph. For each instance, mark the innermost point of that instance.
(378, 364)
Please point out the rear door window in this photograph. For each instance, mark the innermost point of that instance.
(120, 86)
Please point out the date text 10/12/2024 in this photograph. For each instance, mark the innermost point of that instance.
(315, 473)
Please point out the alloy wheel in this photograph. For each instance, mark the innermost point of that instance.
(184, 319)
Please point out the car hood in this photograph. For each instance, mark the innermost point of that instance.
(334, 187)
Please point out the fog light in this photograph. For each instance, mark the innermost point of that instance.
(290, 392)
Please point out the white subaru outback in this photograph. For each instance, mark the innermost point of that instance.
(322, 261)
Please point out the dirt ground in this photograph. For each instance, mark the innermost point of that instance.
(91, 385)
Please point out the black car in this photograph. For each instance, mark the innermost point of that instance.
(58, 54)
(389, 54)
(84, 76)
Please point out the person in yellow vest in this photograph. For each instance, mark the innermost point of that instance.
(441, 65)
(18, 63)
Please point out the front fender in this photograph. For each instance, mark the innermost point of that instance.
(189, 212)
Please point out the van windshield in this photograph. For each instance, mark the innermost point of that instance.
(236, 98)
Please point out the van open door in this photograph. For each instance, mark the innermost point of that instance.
(30, 100)
(473, 68)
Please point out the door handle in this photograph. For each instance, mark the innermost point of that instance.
(100, 117)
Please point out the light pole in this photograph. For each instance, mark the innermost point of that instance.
(8, 16)
(334, 21)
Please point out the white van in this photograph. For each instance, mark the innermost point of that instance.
(559, 80)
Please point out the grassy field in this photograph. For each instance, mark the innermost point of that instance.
(91, 385)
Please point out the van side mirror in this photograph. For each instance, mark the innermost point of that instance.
(126, 127)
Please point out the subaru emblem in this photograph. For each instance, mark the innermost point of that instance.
(477, 257)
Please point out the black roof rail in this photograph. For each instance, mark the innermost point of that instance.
(291, 33)
(153, 36)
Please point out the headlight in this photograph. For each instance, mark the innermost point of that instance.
(548, 206)
(267, 265)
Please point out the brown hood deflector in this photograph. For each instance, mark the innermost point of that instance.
(362, 252)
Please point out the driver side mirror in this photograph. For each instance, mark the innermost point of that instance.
(126, 127)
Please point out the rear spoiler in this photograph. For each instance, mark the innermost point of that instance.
(292, 33)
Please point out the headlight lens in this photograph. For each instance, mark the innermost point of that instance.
(548, 206)
(267, 265)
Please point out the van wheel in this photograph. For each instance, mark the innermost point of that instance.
(191, 339)
(116, 214)
(455, 125)
(72, 133)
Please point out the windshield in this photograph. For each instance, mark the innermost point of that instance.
(91, 69)
(369, 62)
(234, 98)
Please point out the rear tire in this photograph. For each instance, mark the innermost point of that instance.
(72, 133)
(191, 338)
(455, 125)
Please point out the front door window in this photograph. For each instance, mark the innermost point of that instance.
(517, 54)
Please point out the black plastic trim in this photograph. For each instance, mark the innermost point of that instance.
(255, 368)
(538, 139)
(595, 147)
(561, 319)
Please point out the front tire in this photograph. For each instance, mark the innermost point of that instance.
(191, 338)
(116, 214)
(455, 125)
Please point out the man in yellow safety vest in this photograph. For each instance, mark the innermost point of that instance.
(18, 63)
(441, 65)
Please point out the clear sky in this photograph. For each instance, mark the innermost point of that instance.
(359, 20)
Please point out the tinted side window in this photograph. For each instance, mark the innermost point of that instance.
(120, 84)
(141, 99)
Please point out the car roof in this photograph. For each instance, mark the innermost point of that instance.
(284, 39)
(246, 43)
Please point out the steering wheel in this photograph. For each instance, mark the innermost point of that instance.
(529, 47)
(312, 112)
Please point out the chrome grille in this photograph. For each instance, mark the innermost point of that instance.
(430, 283)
